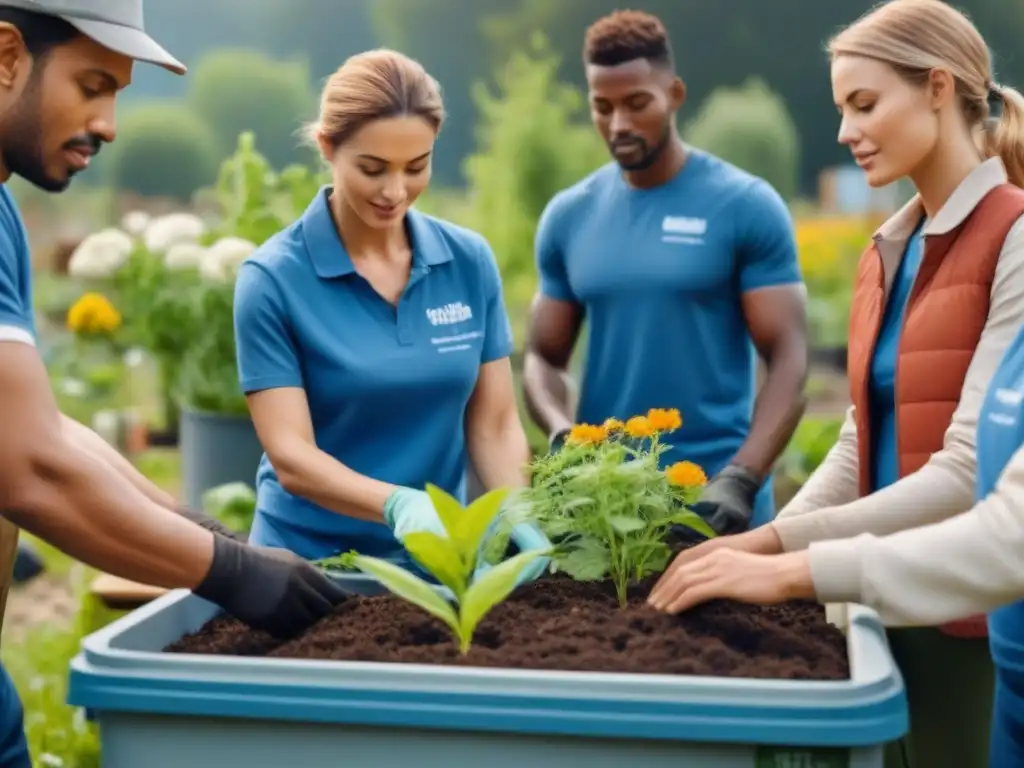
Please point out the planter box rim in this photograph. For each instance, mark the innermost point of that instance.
(122, 668)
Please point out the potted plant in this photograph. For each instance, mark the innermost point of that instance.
(173, 280)
(560, 671)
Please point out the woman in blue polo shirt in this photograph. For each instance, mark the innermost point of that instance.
(373, 341)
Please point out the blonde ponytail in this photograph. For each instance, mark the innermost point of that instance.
(1006, 135)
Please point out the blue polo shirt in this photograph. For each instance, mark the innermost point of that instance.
(885, 469)
(387, 385)
(660, 274)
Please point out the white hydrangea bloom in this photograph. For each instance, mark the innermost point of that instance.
(135, 223)
(165, 231)
(182, 256)
(222, 259)
(100, 254)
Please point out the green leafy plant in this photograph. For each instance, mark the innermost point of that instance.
(233, 504)
(454, 561)
(607, 504)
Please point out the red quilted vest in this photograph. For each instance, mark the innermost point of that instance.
(946, 313)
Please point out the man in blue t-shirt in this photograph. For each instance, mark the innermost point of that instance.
(685, 269)
(62, 65)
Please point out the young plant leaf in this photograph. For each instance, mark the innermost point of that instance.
(491, 588)
(447, 507)
(477, 519)
(411, 588)
(440, 557)
(694, 521)
(624, 524)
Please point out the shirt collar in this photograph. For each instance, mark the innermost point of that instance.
(965, 198)
(329, 257)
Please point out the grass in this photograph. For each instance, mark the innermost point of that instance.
(59, 735)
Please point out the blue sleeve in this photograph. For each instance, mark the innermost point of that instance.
(266, 351)
(549, 253)
(15, 294)
(766, 241)
(498, 341)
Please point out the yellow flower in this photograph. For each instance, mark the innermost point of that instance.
(686, 474)
(664, 419)
(93, 313)
(587, 434)
(639, 426)
(613, 425)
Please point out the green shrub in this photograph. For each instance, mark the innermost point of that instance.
(750, 127)
(163, 148)
(238, 91)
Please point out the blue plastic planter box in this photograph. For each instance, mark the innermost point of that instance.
(167, 710)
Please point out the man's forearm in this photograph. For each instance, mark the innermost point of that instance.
(780, 406)
(90, 442)
(82, 506)
(548, 393)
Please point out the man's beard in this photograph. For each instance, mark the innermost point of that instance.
(650, 157)
(21, 141)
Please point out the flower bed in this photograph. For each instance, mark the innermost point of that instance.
(559, 624)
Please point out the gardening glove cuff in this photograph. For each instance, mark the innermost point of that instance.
(727, 504)
(557, 440)
(410, 511)
(271, 590)
(211, 524)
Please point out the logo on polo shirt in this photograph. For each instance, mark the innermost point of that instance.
(450, 314)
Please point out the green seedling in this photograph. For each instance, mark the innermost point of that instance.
(453, 561)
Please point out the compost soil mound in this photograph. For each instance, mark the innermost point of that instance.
(560, 624)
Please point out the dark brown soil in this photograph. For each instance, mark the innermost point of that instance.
(560, 624)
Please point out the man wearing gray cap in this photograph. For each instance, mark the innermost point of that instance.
(62, 64)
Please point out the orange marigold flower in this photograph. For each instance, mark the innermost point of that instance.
(686, 474)
(639, 426)
(665, 419)
(587, 434)
(613, 425)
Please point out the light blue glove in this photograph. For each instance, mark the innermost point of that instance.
(527, 537)
(410, 511)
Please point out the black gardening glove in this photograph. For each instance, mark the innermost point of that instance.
(272, 590)
(557, 440)
(211, 524)
(727, 504)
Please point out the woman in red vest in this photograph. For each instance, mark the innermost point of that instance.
(938, 298)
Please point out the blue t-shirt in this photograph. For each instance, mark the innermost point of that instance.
(387, 385)
(885, 469)
(17, 323)
(1000, 436)
(17, 319)
(660, 274)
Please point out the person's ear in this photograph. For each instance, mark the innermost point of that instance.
(677, 93)
(941, 88)
(14, 57)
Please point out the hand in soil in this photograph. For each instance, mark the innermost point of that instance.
(269, 589)
(729, 573)
(760, 541)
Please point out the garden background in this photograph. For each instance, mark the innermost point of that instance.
(221, 145)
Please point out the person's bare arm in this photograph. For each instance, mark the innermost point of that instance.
(77, 502)
(495, 438)
(285, 430)
(547, 385)
(88, 441)
(777, 319)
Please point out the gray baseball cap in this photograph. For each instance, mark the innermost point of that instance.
(114, 24)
